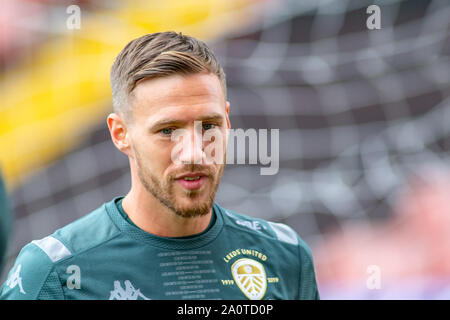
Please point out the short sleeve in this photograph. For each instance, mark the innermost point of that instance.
(32, 277)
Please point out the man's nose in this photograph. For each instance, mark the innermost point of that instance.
(192, 149)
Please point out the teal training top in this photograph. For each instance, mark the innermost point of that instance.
(104, 255)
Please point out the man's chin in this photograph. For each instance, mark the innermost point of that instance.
(192, 212)
(189, 207)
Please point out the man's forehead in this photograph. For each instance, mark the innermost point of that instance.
(185, 98)
(178, 88)
(183, 115)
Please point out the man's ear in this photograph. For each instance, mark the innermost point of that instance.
(119, 133)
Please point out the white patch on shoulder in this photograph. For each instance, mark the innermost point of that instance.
(255, 225)
(54, 248)
(284, 233)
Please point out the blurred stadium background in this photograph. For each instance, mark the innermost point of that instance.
(364, 119)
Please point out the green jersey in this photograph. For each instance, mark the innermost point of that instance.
(105, 256)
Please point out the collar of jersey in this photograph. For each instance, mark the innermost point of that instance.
(178, 243)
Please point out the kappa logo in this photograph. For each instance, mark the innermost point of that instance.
(14, 279)
(255, 225)
(250, 277)
(129, 293)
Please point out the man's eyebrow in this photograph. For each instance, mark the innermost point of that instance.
(209, 117)
(174, 121)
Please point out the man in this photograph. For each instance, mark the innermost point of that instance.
(167, 238)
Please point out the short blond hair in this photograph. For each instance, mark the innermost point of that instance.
(157, 55)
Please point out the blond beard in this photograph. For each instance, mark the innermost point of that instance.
(163, 191)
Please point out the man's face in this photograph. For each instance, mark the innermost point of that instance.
(163, 107)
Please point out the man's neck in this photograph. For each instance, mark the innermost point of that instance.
(150, 215)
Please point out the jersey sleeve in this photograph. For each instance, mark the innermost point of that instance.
(307, 277)
(308, 284)
(32, 277)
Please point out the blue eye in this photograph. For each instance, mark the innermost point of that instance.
(208, 126)
(167, 131)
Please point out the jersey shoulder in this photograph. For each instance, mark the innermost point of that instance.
(262, 228)
(34, 275)
(282, 236)
(31, 274)
(87, 232)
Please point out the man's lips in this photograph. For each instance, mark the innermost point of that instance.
(192, 180)
(191, 175)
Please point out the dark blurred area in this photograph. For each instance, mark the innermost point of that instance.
(364, 134)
